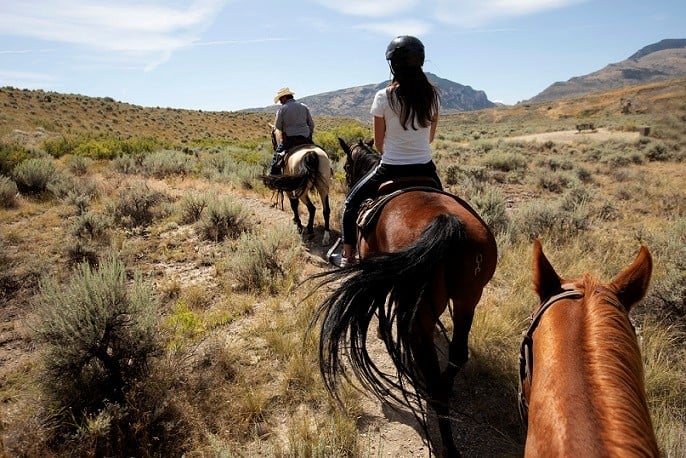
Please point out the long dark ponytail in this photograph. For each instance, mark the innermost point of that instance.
(412, 97)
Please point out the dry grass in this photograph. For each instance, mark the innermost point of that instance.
(239, 375)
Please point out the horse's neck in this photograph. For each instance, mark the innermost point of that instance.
(587, 391)
(561, 411)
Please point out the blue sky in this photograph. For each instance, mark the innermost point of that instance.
(234, 54)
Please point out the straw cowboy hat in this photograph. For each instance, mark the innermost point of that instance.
(283, 91)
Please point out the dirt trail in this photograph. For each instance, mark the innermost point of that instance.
(480, 429)
(573, 136)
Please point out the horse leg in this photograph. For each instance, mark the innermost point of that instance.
(311, 211)
(296, 214)
(438, 393)
(326, 210)
(458, 353)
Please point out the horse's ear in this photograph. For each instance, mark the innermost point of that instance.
(344, 146)
(370, 143)
(546, 281)
(632, 283)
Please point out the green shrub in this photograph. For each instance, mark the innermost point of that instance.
(134, 206)
(58, 147)
(328, 140)
(78, 165)
(96, 149)
(78, 200)
(167, 162)
(491, 206)
(505, 162)
(99, 147)
(78, 251)
(125, 164)
(666, 299)
(221, 219)
(555, 182)
(99, 334)
(137, 146)
(192, 205)
(8, 192)
(217, 164)
(658, 152)
(268, 261)
(554, 163)
(75, 191)
(33, 175)
(549, 219)
(465, 174)
(11, 154)
(584, 175)
(90, 226)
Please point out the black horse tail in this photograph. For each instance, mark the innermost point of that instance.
(296, 183)
(390, 285)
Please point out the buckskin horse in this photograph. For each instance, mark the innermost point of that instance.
(581, 373)
(426, 248)
(306, 167)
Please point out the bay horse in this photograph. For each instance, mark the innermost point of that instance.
(307, 167)
(426, 249)
(581, 373)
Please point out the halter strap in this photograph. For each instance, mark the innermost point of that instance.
(526, 356)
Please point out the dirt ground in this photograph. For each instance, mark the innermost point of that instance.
(571, 136)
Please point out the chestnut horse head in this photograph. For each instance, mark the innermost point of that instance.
(582, 385)
(428, 248)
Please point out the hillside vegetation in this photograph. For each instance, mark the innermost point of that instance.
(152, 296)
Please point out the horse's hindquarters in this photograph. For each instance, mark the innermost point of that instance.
(406, 217)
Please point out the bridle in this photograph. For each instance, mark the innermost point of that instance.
(526, 355)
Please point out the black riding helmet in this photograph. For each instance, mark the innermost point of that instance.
(405, 51)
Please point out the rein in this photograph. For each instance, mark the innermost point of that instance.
(526, 355)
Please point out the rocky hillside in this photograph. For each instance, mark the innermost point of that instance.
(354, 102)
(656, 62)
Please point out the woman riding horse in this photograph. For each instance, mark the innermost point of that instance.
(405, 117)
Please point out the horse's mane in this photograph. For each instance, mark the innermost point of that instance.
(364, 159)
(615, 371)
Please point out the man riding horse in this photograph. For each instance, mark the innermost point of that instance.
(293, 127)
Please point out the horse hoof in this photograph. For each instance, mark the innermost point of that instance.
(326, 239)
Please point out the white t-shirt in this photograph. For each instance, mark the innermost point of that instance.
(401, 146)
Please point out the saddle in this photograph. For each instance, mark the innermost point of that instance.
(371, 208)
(281, 159)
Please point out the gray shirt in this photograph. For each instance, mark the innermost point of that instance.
(293, 118)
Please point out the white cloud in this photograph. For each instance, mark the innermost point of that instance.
(24, 51)
(473, 13)
(393, 29)
(139, 28)
(26, 80)
(370, 8)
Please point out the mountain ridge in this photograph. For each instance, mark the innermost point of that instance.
(659, 61)
(355, 102)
